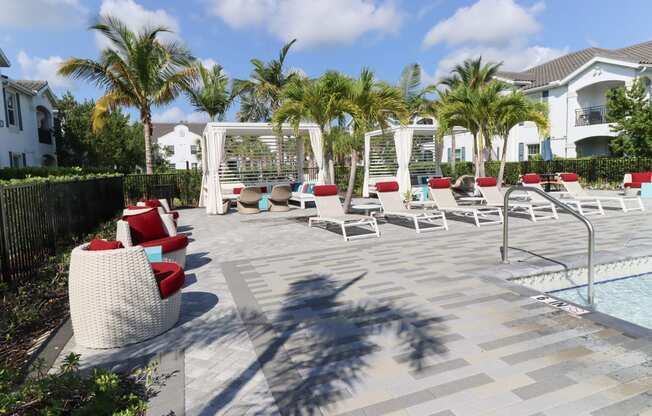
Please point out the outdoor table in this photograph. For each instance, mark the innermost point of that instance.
(367, 208)
(264, 201)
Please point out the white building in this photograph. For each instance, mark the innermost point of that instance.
(26, 121)
(575, 87)
(179, 143)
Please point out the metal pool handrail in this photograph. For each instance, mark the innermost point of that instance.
(557, 202)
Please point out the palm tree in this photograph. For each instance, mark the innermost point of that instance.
(322, 101)
(137, 70)
(260, 95)
(471, 73)
(375, 105)
(211, 92)
(510, 110)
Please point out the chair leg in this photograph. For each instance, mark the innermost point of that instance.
(376, 227)
(534, 217)
(344, 232)
(640, 204)
(475, 217)
(600, 209)
(554, 211)
(416, 224)
(622, 204)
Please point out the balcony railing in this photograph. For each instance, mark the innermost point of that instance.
(591, 115)
(45, 136)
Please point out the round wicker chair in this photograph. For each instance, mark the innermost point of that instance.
(115, 300)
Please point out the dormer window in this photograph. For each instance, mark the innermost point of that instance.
(11, 110)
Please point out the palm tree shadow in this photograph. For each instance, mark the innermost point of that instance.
(315, 349)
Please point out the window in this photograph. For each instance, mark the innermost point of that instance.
(194, 166)
(168, 149)
(11, 110)
(193, 149)
(521, 152)
(17, 160)
(533, 149)
(460, 154)
(544, 95)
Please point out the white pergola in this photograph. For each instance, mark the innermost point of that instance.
(213, 154)
(403, 145)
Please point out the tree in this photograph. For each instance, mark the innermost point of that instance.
(510, 110)
(260, 95)
(323, 101)
(375, 103)
(117, 145)
(630, 111)
(137, 70)
(211, 92)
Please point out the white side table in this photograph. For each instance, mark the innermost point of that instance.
(367, 208)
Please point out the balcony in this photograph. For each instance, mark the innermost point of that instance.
(589, 116)
(45, 136)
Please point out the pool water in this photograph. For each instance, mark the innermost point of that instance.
(628, 298)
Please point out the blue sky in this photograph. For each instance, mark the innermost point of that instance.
(345, 35)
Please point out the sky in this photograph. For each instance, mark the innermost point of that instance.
(344, 35)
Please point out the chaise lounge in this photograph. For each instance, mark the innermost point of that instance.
(392, 203)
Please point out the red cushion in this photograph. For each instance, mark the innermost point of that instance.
(439, 183)
(168, 244)
(387, 186)
(99, 245)
(145, 226)
(633, 184)
(486, 181)
(569, 177)
(175, 215)
(169, 277)
(236, 191)
(153, 203)
(531, 178)
(642, 177)
(324, 190)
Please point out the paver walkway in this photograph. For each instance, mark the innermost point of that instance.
(281, 319)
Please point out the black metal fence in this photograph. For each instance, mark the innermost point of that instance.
(181, 187)
(36, 218)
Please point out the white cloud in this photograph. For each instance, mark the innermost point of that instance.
(35, 68)
(311, 22)
(136, 17)
(487, 21)
(51, 14)
(175, 115)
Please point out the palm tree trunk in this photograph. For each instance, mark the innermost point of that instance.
(479, 170)
(439, 149)
(349, 189)
(453, 153)
(503, 159)
(147, 133)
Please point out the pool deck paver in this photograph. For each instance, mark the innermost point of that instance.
(281, 319)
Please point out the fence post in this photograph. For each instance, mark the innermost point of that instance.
(5, 267)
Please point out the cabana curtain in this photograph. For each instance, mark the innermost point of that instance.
(318, 152)
(214, 151)
(403, 145)
(204, 171)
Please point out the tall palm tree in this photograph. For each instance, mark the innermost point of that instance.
(323, 101)
(137, 70)
(260, 95)
(508, 111)
(471, 73)
(211, 92)
(375, 104)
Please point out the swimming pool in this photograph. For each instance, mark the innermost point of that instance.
(623, 289)
(627, 298)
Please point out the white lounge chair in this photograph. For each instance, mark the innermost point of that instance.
(329, 210)
(494, 198)
(570, 182)
(442, 196)
(580, 205)
(393, 206)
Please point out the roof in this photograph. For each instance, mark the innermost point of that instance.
(34, 86)
(161, 129)
(4, 61)
(559, 68)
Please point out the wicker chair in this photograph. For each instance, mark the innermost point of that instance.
(115, 300)
(123, 234)
(248, 200)
(278, 200)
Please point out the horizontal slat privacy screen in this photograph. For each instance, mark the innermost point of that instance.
(382, 156)
(253, 160)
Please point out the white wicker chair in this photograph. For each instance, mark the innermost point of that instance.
(115, 300)
(123, 234)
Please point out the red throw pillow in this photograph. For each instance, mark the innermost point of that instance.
(633, 184)
(569, 177)
(387, 186)
(531, 178)
(153, 203)
(237, 191)
(439, 183)
(145, 226)
(486, 181)
(169, 277)
(642, 177)
(99, 245)
(324, 190)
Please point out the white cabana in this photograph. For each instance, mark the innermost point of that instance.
(397, 153)
(235, 154)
